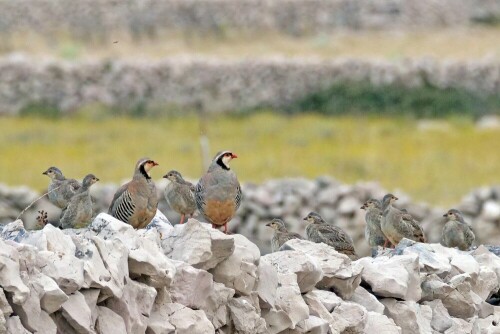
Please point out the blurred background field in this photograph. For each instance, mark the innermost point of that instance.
(435, 161)
(404, 93)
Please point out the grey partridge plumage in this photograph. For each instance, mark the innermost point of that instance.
(397, 224)
(179, 194)
(320, 231)
(281, 234)
(456, 232)
(60, 189)
(218, 192)
(373, 232)
(136, 202)
(78, 213)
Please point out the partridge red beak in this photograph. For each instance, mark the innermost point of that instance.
(234, 156)
(155, 163)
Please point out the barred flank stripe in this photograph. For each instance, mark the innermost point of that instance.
(125, 207)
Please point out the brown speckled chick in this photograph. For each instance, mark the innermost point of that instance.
(320, 231)
(373, 232)
(179, 194)
(281, 234)
(456, 232)
(397, 224)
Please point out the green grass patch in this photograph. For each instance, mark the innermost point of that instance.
(437, 164)
(426, 101)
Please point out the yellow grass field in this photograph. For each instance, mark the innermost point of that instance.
(438, 163)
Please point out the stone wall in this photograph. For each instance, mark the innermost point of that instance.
(218, 84)
(293, 199)
(192, 279)
(99, 19)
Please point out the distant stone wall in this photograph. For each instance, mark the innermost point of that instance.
(218, 84)
(147, 18)
(293, 199)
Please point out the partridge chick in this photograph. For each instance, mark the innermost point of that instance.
(397, 224)
(456, 232)
(179, 194)
(135, 202)
(60, 189)
(218, 192)
(78, 213)
(373, 231)
(281, 234)
(320, 231)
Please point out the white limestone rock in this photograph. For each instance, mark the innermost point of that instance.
(362, 297)
(381, 324)
(350, 317)
(306, 268)
(186, 320)
(339, 273)
(114, 256)
(145, 257)
(441, 319)
(196, 289)
(239, 270)
(312, 325)
(158, 319)
(10, 279)
(397, 277)
(328, 298)
(410, 316)
(246, 316)
(289, 309)
(267, 284)
(108, 322)
(56, 258)
(78, 314)
(487, 259)
(14, 326)
(5, 307)
(198, 244)
(134, 306)
(431, 261)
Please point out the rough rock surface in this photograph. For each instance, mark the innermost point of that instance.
(193, 279)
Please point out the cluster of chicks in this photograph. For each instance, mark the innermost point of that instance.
(385, 226)
(217, 195)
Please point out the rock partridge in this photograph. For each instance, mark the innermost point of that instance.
(397, 224)
(60, 189)
(456, 232)
(179, 194)
(135, 202)
(78, 213)
(373, 232)
(281, 234)
(320, 231)
(218, 192)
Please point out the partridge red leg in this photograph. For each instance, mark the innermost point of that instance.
(182, 219)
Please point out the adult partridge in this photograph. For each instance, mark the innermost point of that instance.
(60, 189)
(320, 231)
(456, 232)
(135, 202)
(373, 232)
(179, 194)
(281, 234)
(78, 213)
(218, 192)
(397, 224)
